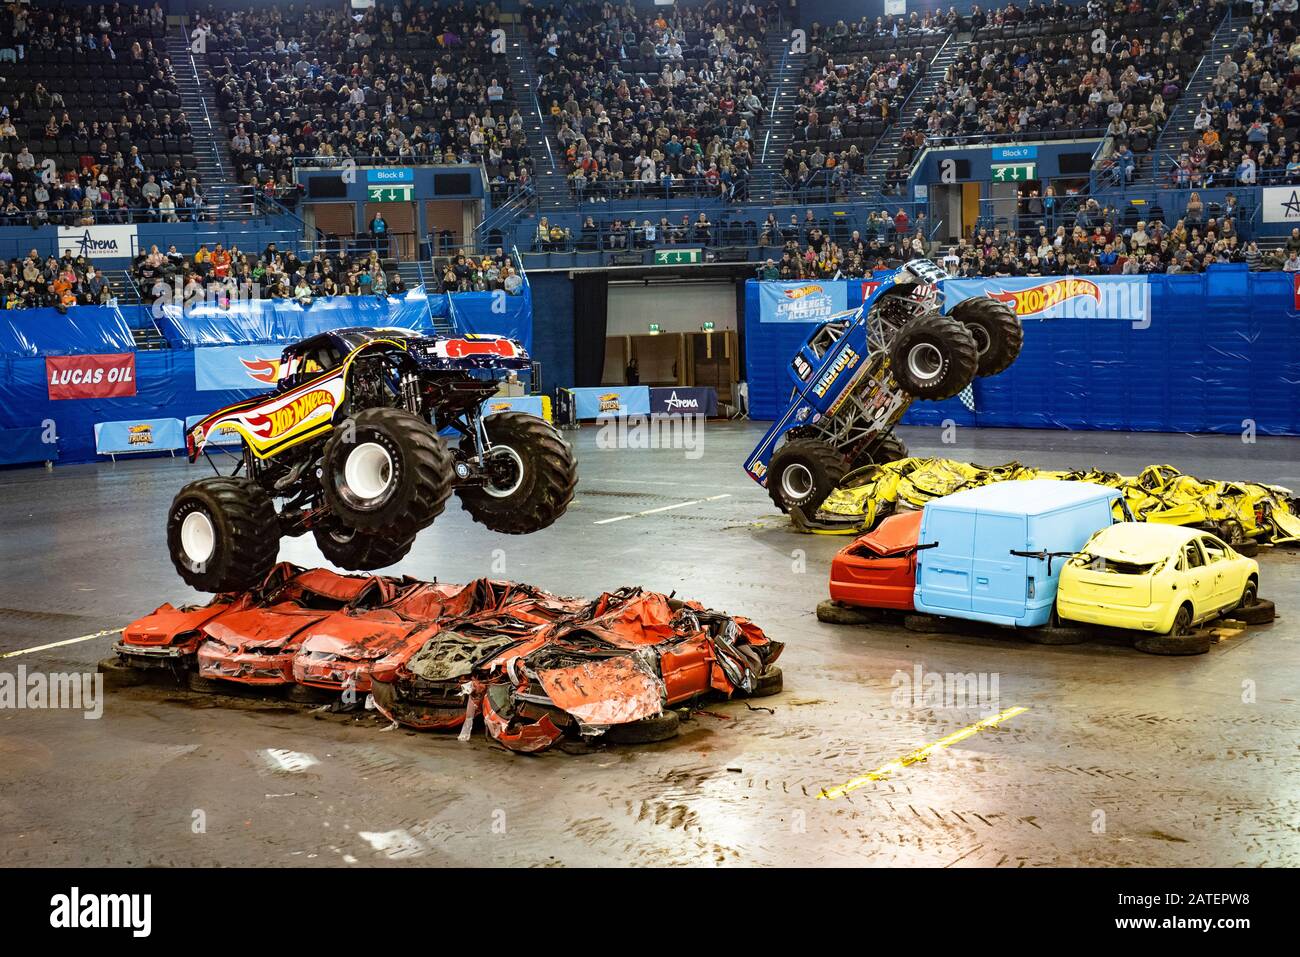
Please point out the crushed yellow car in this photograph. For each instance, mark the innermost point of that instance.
(1156, 578)
(1240, 512)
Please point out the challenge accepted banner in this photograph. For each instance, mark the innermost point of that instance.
(1062, 297)
(801, 301)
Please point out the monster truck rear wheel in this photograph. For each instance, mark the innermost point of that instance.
(933, 357)
(223, 533)
(389, 472)
(996, 329)
(880, 451)
(355, 550)
(531, 475)
(803, 472)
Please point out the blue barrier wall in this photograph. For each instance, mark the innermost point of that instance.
(165, 378)
(1222, 348)
(553, 318)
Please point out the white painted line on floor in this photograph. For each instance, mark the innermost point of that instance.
(60, 644)
(661, 508)
(734, 488)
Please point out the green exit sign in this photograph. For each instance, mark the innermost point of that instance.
(1014, 172)
(707, 327)
(678, 257)
(390, 194)
(654, 328)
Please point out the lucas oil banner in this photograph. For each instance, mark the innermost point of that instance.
(810, 301)
(1062, 297)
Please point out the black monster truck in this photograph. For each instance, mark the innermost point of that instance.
(348, 444)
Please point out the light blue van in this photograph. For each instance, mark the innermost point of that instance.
(994, 553)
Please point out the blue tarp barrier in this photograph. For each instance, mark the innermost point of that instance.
(84, 330)
(1220, 354)
(21, 446)
(286, 320)
(494, 313)
(131, 436)
(165, 389)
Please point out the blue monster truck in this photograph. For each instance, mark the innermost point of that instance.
(860, 370)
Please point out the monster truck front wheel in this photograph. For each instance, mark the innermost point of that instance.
(530, 475)
(223, 533)
(933, 357)
(996, 329)
(389, 471)
(803, 472)
(354, 550)
(880, 451)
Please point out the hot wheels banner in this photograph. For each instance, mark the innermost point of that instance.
(809, 301)
(1062, 297)
(236, 367)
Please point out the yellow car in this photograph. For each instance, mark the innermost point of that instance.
(1163, 579)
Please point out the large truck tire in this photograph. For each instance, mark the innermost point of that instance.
(223, 533)
(802, 473)
(532, 476)
(996, 329)
(880, 451)
(355, 550)
(387, 470)
(933, 357)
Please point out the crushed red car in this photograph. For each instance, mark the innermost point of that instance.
(878, 569)
(535, 667)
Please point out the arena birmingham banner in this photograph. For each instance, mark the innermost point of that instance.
(802, 301)
(1127, 298)
(1281, 205)
(98, 242)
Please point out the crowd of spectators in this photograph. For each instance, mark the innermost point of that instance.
(33, 282)
(855, 82)
(1245, 131)
(403, 83)
(1111, 67)
(664, 103)
(221, 271)
(481, 273)
(91, 126)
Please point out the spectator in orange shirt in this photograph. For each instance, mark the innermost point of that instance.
(220, 262)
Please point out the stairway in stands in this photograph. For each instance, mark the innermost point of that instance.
(211, 147)
(1181, 120)
(548, 159)
(783, 86)
(415, 273)
(881, 159)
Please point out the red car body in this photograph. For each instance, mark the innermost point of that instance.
(878, 570)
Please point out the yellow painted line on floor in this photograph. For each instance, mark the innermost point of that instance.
(60, 644)
(920, 754)
(661, 508)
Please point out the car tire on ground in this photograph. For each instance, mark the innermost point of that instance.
(658, 727)
(1057, 632)
(1261, 612)
(223, 533)
(996, 329)
(802, 473)
(770, 682)
(386, 470)
(1196, 643)
(533, 476)
(837, 613)
(354, 550)
(204, 685)
(880, 451)
(119, 674)
(933, 357)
